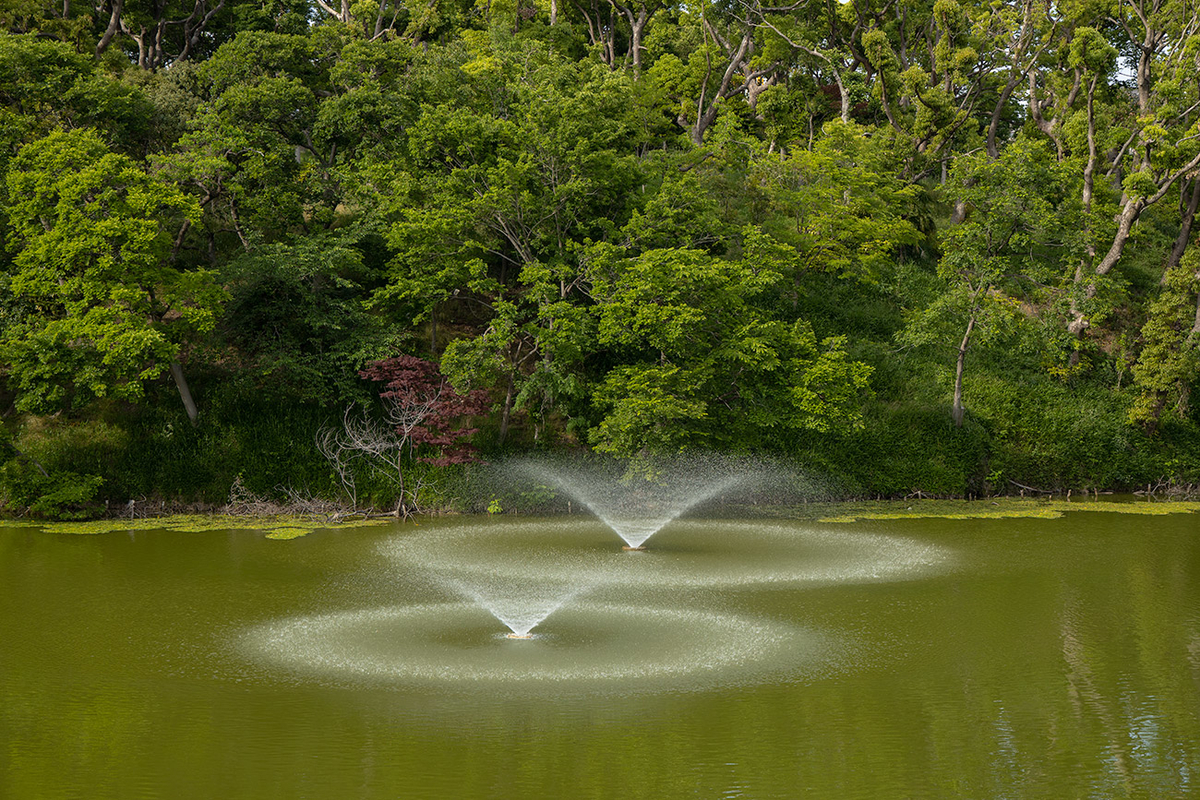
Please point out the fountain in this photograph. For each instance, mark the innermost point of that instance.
(635, 508)
(595, 648)
(605, 622)
(697, 555)
(522, 606)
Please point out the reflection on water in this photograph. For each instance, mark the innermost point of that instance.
(1011, 658)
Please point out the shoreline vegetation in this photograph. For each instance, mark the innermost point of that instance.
(281, 524)
(295, 256)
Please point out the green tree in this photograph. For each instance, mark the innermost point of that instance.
(493, 211)
(250, 157)
(1010, 235)
(46, 85)
(1160, 149)
(700, 364)
(840, 204)
(92, 236)
(719, 66)
(296, 312)
(1169, 363)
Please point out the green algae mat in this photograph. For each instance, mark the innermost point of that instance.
(275, 527)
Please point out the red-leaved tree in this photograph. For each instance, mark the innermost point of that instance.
(426, 411)
(424, 419)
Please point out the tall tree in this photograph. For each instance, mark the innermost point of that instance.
(1009, 236)
(722, 65)
(1161, 149)
(492, 214)
(92, 234)
(1169, 363)
(700, 363)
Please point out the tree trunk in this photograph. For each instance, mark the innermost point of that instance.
(1185, 229)
(1078, 322)
(957, 411)
(598, 33)
(994, 126)
(506, 414)
(959, 215)
(844, 96)
(114, 24)
(26, 457)
(707, 113)
(140, 40)
(637, 32)
(195, 25)
(185, 394)
(637, 29)
(1131, 210)
(1050, 127)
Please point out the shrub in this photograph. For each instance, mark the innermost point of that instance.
(59, 495)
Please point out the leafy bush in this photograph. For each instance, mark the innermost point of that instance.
(59, 495)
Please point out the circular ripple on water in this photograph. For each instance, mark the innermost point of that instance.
(688, 553)
(588, 646)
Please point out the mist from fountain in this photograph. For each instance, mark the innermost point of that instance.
(598, 648)
(520, 609)
(509, 556)
(520, 571)
(636, 509)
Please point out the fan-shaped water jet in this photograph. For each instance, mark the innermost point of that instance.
(520, 604)
(636, 507)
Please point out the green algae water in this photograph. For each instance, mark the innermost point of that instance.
(862, 655)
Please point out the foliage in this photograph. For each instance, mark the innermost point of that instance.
(707, 365)
(1170, 359)
(65, 495)
(421, 425)
(840, 204)
(804, 232)
(426, 410)
(1009, 239)
(56, 470)
(296, 312)
(91, 235)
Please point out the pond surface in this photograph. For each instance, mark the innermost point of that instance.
(1022, 658)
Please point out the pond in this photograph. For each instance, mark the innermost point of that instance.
(1053, 656)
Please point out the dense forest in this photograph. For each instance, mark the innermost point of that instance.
(283, 247)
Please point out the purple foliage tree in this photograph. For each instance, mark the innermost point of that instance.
(424, 419)
(426, 411)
